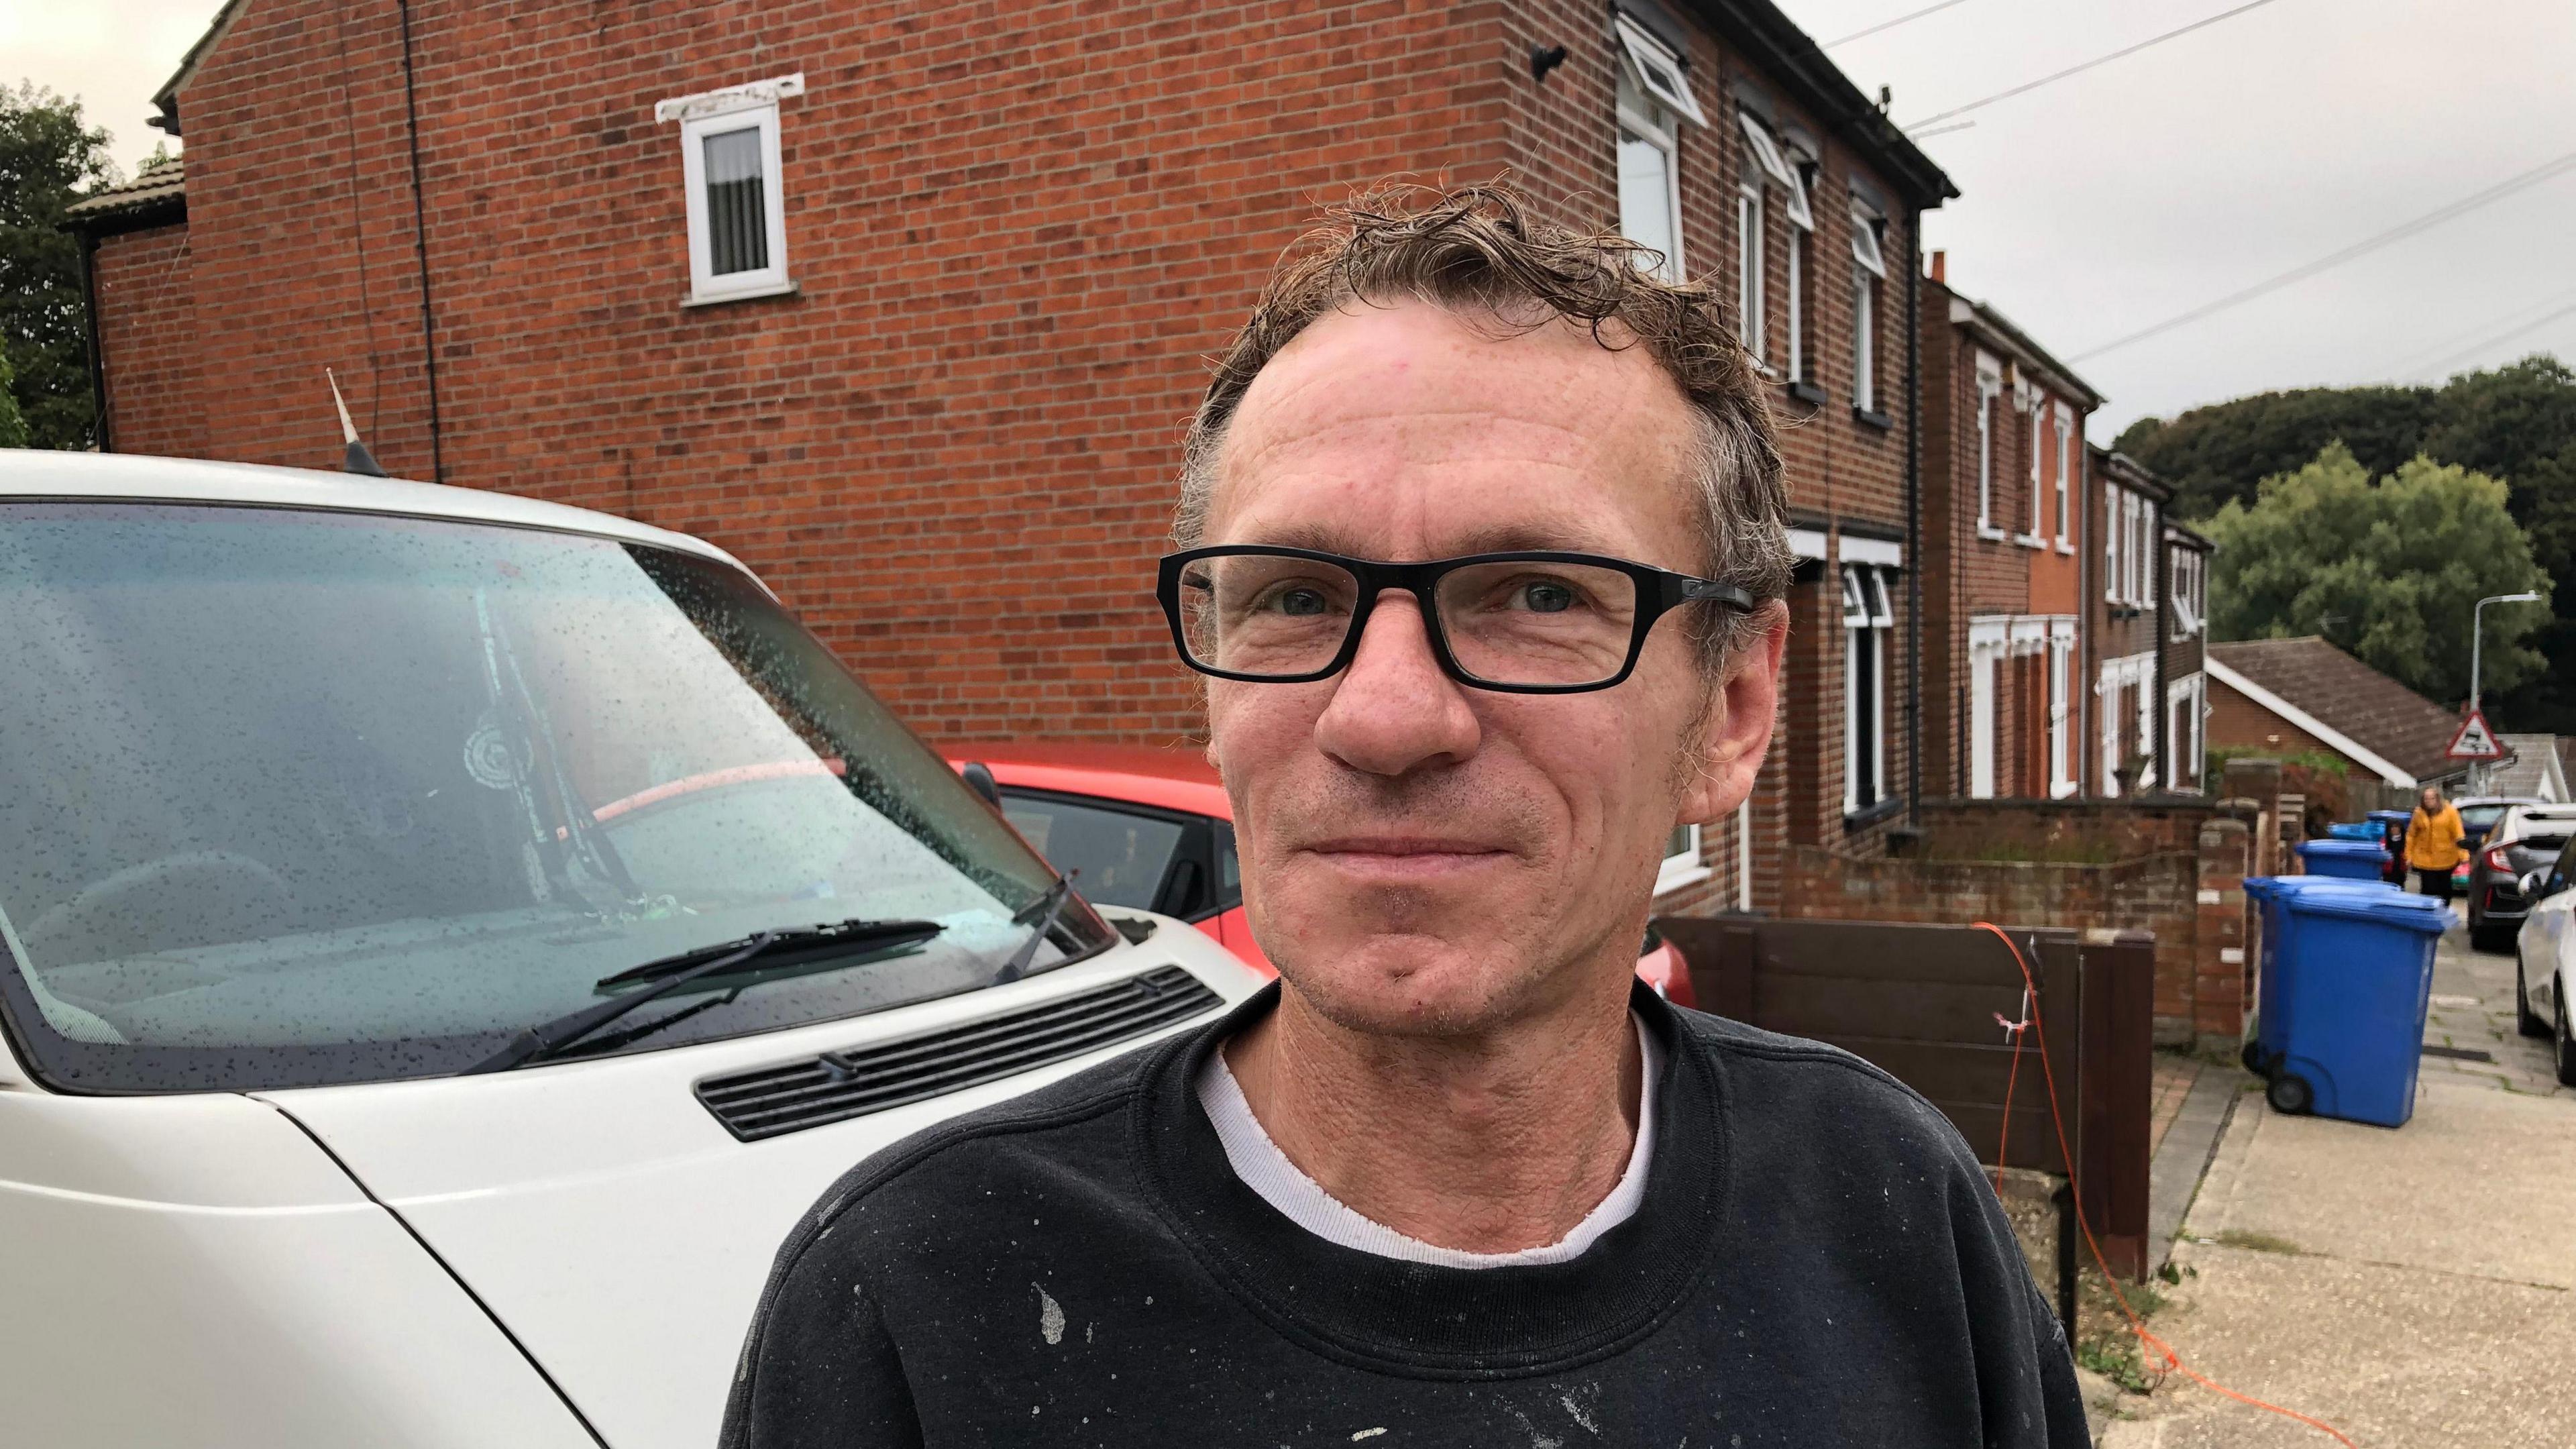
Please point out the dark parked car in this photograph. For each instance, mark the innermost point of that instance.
(2526, 838)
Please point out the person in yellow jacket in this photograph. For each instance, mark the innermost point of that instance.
(2433, 843)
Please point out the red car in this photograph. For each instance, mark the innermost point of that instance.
(1152, 830)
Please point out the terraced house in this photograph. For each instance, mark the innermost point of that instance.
(907, 307)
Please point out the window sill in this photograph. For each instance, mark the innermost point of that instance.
(1878, 420)
(1674, 876)
(718, 299)
(2030, 540)
(2065, 548)
(1990, 533)
(1808, 393)
(1764, 368)
(1872, 814)
(2060, 789)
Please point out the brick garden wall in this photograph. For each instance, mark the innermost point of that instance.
(2174, 869)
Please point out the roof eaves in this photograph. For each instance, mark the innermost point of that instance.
(1998, 329)
(2331, 737)
(1790, 60)
(156, 198)
(167, 98)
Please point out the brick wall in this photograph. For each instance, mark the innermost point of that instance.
(146, 339)
(2165, 858)
(2236, 722)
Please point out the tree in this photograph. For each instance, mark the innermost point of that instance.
(2212, 454)
(2389, 570)
(48, 158)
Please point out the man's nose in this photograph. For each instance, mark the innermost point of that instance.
(1393, 709)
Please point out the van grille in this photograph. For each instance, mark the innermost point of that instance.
(836, 1086)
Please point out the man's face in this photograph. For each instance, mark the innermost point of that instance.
(2432, 802)
(1420, 856)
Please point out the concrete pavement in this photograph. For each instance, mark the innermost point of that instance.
(2414, 1287)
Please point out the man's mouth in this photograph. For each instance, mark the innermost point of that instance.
(1406, 857)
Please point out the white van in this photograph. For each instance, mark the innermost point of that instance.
(449, 939)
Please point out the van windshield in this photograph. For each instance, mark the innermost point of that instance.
(290, 797)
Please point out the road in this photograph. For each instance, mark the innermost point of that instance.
(2414, 1287)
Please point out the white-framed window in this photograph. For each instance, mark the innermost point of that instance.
(1748, 271)
(2110, 731)
(1869, 273)
(2065, 479)
(2061, 709)
(1867, 619)
(2186, 583)
(2111, 523)
(2184, 699)
(2034, 420)
(734, 183)
(1682, 865)
(1650, 194)
(2143, 720)
(1744, 855)
(2151, 529)
(1987, 641)
(1990, 385)
(1802, 245)
(1657, 71)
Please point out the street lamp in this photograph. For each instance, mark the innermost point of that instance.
(2478, 634)
(2477, 641)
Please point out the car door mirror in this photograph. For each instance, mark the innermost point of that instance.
(979, 778)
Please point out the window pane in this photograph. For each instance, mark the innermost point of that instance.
(1646, 196)
(737, 204)
(1682, 842)
(1122, 858)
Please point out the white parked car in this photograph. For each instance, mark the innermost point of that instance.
(449, 940)
(2544, 960)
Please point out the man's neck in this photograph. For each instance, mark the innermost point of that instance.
(1490, 1144)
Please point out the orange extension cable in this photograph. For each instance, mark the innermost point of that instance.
(2157, 1349)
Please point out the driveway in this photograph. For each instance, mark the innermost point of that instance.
(2414, 1287)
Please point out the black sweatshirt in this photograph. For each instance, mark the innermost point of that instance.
(1818, 1261)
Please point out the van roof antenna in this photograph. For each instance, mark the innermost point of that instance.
(358, 460)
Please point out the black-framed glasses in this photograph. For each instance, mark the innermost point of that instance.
(1523, 623)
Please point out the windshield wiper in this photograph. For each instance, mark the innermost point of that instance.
(1046, 908)
(670, 973)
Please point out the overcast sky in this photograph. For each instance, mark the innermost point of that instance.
(2090, 208)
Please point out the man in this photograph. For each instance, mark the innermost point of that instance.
(2433, 847)
(1456, 1180)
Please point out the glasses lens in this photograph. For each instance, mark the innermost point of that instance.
(1266, 614)
(1524, 621)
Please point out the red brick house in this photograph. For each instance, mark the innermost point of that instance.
(2006, 554)
(908, 307)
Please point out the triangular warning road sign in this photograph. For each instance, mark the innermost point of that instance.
(2475, 741)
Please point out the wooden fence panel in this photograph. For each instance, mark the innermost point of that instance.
(1928, 1005)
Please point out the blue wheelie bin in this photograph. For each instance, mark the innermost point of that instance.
(2344, 859)
(2352, 830)
(2347, 972)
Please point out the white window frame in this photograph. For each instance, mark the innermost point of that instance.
(1642, 118)
(1867, 248)
(1749, 228)
(1744, 855)
(2183, 699)
(1864, 339)
(2110, 692)
(1657, 70)
(2151, 532)
(1683, 867)
(1990, 386)
(2065, 479)
(2061, 708)
(1988, 641)
(2112, 493)
(2186, 591)
(754, 104)
(2033, 418)
(1867, 619)
(1802, 236)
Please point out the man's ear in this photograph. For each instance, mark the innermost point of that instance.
(1735, 731)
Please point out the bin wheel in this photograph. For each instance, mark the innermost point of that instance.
(2290, 1095)
(2252, 1056)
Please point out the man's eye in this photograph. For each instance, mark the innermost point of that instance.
(1301, 602)
(1544, 597)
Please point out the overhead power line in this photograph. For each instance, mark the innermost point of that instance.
(2466, 353)
(2099, 60)
(1892, 24)
(2426, 222)
(2443, 351)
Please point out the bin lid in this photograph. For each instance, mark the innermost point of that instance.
(2285, 887)
(2374, 901)
(2392, 817)
(2343, 850)
(2353, 830)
